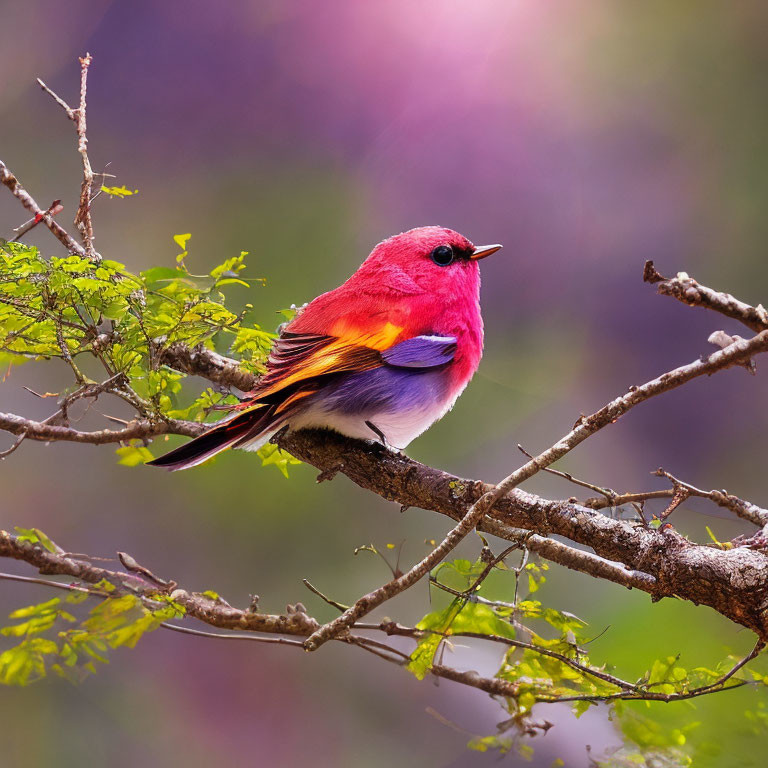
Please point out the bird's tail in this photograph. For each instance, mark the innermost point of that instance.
(251, 429)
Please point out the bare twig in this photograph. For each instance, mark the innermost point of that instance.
(684, 288)
(231, 635)
(137, 429)
(54, 208)
(572, 663)
(21, 194)
(16, 443)
(295, 623)
(83, 220)
(608, 493)
(628, 498)
(743, 509)
(312, 588)
(641, 693)
(372, 600)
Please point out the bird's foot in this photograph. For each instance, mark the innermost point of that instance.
(382, 443)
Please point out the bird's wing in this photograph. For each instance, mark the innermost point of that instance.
(298, 360)
(421, 352)
(296, 365)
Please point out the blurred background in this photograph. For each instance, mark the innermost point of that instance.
(586, 137)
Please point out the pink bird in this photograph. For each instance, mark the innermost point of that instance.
(381, 357)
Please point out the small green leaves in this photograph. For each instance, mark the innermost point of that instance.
(270, 454)
(68, 307)
(718, 544)
(182, 240)
(252, 343)
(37, 619)
(500, 744)
(119, 192)
(71, 647)
(35, 536)
(26, 662)
(133, 454)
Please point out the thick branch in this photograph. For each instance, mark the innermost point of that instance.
(199, 361)
(296, 623)
(216, 613)
(733, 582)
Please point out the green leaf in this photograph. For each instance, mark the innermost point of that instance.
(501, 744)
(157, 274)
(270, 454)
(458, 617)
(580, 707)
(35, 536)
(423, 656)
(119, 192)
(134, 454)
(182, 240)
(25, 663)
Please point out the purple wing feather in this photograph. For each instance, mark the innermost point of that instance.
(421, 352)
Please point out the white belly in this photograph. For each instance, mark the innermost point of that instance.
(399, 428)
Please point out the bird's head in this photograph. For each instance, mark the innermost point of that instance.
(434, 258)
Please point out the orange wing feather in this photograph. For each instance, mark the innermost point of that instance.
(299, 359)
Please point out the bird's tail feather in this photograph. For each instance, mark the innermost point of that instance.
(249, 429)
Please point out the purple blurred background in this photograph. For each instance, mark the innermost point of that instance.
(584, 136)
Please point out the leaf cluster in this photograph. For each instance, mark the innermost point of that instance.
(83, 312)
(546, 660)
(51, 638)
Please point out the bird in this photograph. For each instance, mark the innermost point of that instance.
(380, 358)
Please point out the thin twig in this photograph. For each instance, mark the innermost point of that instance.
(44, 582)
(54, 208)
(218, 613)
(628, 498)
(587, 670)
(608, 493)
(137, 429)
(231, 635)
(338, 606)
(744, 509)
(12, 183)
(83, 220)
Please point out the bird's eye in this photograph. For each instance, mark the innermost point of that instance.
(442, 255)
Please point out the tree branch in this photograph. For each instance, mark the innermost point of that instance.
(296, 623)
(200, 361)
(660, 563)
(21, 194)
(83, 220)
(141, 429)
(684, 288)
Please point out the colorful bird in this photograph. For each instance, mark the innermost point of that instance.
(381, 357)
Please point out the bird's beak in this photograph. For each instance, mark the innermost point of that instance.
(481, 251)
